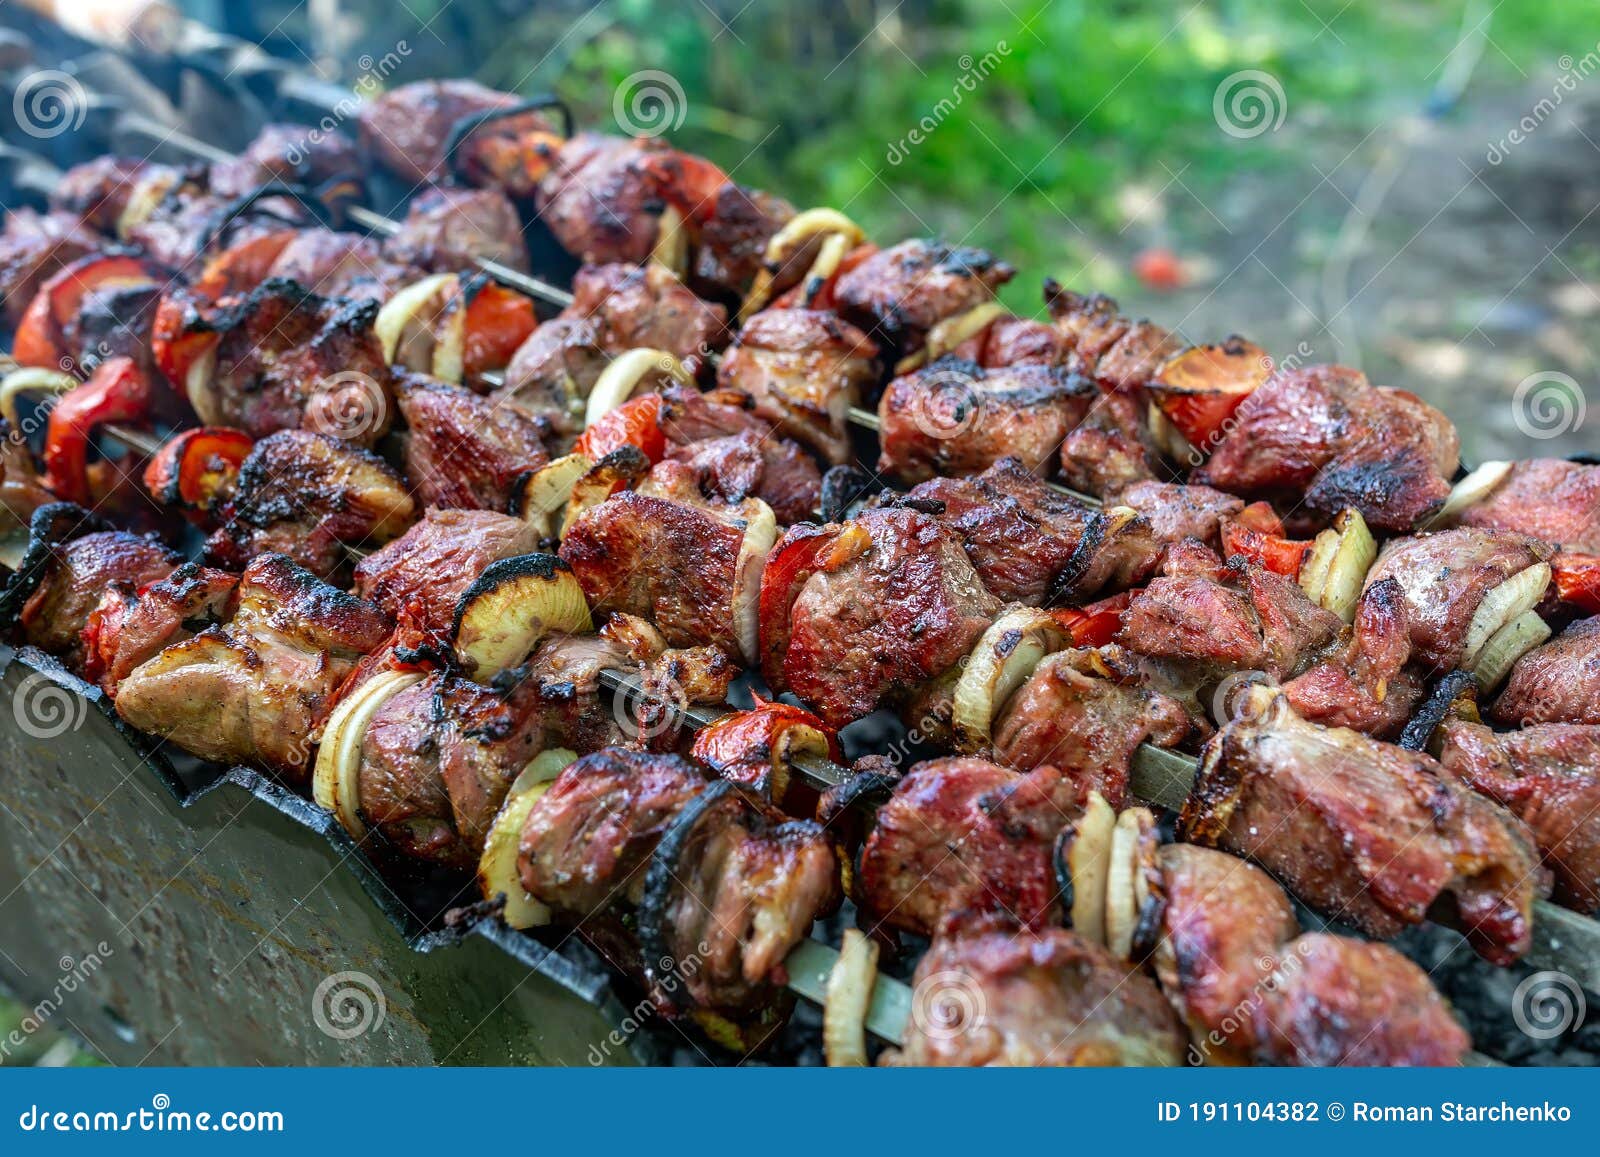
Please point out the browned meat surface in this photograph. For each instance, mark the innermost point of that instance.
(647, 306)
(964, 834)
(805, 369)
(901, 613)
(288, 153)
(131, 625)
(1445, 577)
(1091, 324)
(186, 225)
(735, 454)
(21, 490)
(288, 358)
(1032, 544)
(1013, 341)
(956, 417)
(899, 294)
(113, 322)
(309, 496)
(78, 574)
(674, 564)
(1222, 617)
(1110, 449)
(340, 265)
(1325, 433)
(604, 196)
(446, 229)
(734, 886)
(406, 130)
(1071, 715)
(1549, 775)
(465, 450)
(1177, 512)
(1365, 831)
(1556, 683)
(33, 247)
(989, 994)
(254, 691)
(590, 835)
(554, 370)
(420, 576)
(1367, 687)
(733, 236)
(97, 192)
(1131, 362)
(438, 759)
(1548, 498)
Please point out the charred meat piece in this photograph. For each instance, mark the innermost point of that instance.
(339, 265)
(465, 450)
(1325, 433)
(588, 838)
(604, 197)
(255, 690)
(288, 153)
(1015, 341)
(132, 625)
(1223, 617)
(1445, 578)
(1032, 544)
(736, 454)
(1073, 714)
(99, 192)
(33, 247)
(308, 496)
(186, 225)
(1548, 774)
(21, 490)
(408, 129)
(1177, 512)
(420, 576)
(78, 572)
(956, 417)
(733, 886)
(283, 358)
(1133, 359)
(986, 993)
(447, 229)
(438, 759)
(1110, 448)
(1369, 686)
(964, 834)
(898, 295)
(805, 369)
(1549, 498)
(646, 306)
(1091, 324)
(1556, 683)
(733, 234)
(1365, 831)
(902, 612)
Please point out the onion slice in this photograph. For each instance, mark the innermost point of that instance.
(511, 606)
(839, 235)
(30, 380)
(1335, 570)
(624, 375)
(671, 249)
(1501, 607)
(336, 776)
(1088, 863)
(1470, 491)
(1004, 657)
(1512, 641)
(497, 868)
(950, 333)
(541, 495)
(1128, 886)
(844, 1011)
(760, 535)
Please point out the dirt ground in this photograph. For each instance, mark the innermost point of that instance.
(1409, 253)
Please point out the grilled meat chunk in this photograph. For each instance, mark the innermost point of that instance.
(255, 690)
(805, 368)
(1365, 831)
(1556, 683)
(287, 153)
(33, 247)
(186, 225)
(1445, 577)
(308, 496)
(420, 576)
(1015, 341)
(1032, 544)
(465, 450)
(1177, 512)
(956, 417)
(986, 993)
(286, 358)
(1369, 687)
(408, 129)
(1109, 449)
(1548, 774)
(1325, 433)
(98, 192)
(80, 570)
(736, 454)
(604, 196)
(735, 225)
(339, 265)
(588, 838)
(734, 885)
(1091, 324)
(1072, 714)
(1132, 361)
(906, 609)
(1222, 617)
(1549, 498)
(131, 625)
(898, 295)
(964, 834)
(447, 229)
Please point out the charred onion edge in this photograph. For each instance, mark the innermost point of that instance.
(796, 233)
(484, 647)
(336, 774)
(659, 961)
(497, 867)
(1419, 729)
(52, 525)
(844, 1012)
(617, 471)
(538, 496)
(1003, 658)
